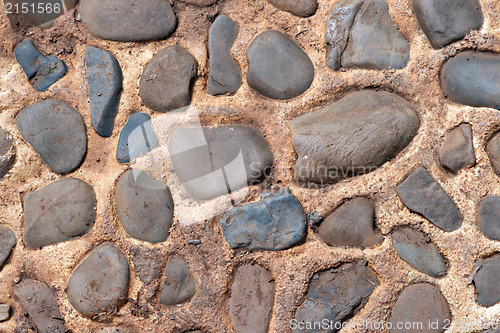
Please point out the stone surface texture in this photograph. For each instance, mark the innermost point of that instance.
(7, 242)
(301, 8)
(7, 152)
(489, 217)
(457, 151)
(486, 281)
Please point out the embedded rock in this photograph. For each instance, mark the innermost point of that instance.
(277, 67)
(105, 85)
(489, 217)
(250, 304)
(301, 8)
(277, 222)
(352, 224)
(225, 74)
(352, 136)
(166, 83)
(7, 242)
(42, 72)
(178, 285)
(4, 312)
(487, 282)
(200, 3)
(136, 138)
(128, 21)
(56, 132)
(493, 151)
(144, 206)
(457, 151)
(100, 282)
(7, 152)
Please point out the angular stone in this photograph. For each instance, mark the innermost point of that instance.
(361, 34)
(166, 83)
(58, 212)
(457, 151)
(493, 150)
(446, 21)
(276, 222)
(421, 303)
(100, 282)
(489, 217)
(56, 132)
(251, 301)
(4, 312)
(423, 195)
(200, 3)
(302, 8)
(352, 224)
(38, 301)
(212, 161)
(136, 138)
(225, 74)
(277, 67)
(417, 249)
(42, 72)
(128, 21)
(487, 282)
(178, 284)
(473, 78)
(105, 85)
(7, 242)
(7, 152)
(352, 136)
(144, 206)
(335, 295)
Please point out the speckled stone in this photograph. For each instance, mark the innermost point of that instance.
(128, 21)
(276, 222)
(7, 152)
(277, 67)
(56, 132)
(489, 217)
(457, 151)
(7, 242)
(136, 138)
(424, 196)
(487, 282)
(301, 8)
(178, 284)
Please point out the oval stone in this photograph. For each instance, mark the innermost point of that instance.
(457, 151)
(352, 136)
(178, 285)
(489, 217)
(7, 242)
(7, 152)
(58, 212)
(56, 132)
(100, 283)
(301, 8)
(129, 20)
(277, 67)
(487, 282)
(144, 206)
(473, 78)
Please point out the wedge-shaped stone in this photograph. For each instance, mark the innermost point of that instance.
(58, 212)
(352, 224)
(417, 249)
(212, 161)
(277, 222)
(250, 304)
(352, 136)
(301, 8)
(423, 195)
(335, 295)
(489, 217)
(136, 138)
(457, 151)
(128, 21)
(100, 282)
(56, 132)
(7, 152)
(178, 285)
(7, 242)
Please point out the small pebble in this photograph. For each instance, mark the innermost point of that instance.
(4, 312)
(457, 151)
(178, 284)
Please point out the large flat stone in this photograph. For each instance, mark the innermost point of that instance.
(487, 282)
(7, 242)
(178, 284)
(351, 137)
(457, 151)
(7, 152)
(489, 217)
(301, 8)
(56, 132)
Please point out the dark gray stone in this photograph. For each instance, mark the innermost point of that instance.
(302, 8)
(352, 224)
(493, 151)
(56, 132)
(7, 242)
(100, 282)
(225, 74)
(473, 78)
(58, 212)
(352, 136)
(144, 206)
(42, 72)
(457, 151)
(214, 161)
(166, 83)
(178, 285)
(489, 217)
(105, 85)
(136, 138)
(336, 295)
(421, 303)
(487, 282)
(417, 249)
(361, 34)
(277, 222)
(277, 67)
(446, 21)
(423, 195)
(7, 152)
(250, 304)
(38, 301)
(130, 20)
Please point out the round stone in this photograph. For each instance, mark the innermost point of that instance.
(7, 152)
(178, 285)
(301, 8)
